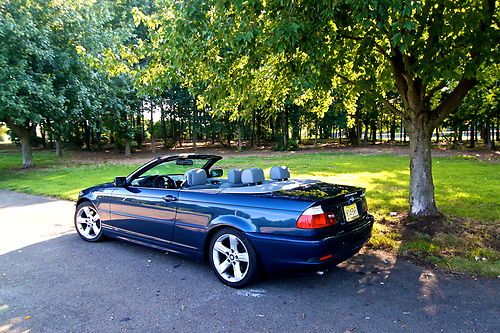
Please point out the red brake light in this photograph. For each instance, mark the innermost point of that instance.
(314, 218)
(365, 204)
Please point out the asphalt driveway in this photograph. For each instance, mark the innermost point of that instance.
(52, 281)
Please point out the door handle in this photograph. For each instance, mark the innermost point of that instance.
(169, 198)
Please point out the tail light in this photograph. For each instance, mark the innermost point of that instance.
(365, 204)
(314, 218)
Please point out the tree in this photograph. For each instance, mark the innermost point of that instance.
(25, 88)
(238, 56)
(45, 79)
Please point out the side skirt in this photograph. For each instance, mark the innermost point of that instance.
(152, 242)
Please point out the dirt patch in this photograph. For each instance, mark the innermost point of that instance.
(470, 231)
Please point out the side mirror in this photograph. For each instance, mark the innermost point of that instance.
(215, 173)
(120, 181)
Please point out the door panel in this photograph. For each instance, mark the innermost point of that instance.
(147, 212)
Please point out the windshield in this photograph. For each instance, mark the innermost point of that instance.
(173, 168)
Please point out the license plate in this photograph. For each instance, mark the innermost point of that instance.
(351, 212)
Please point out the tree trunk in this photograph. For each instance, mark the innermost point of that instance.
(284, 130)
(24, 135)
(374, 132)
(26, 150)
(86, 134)
(316, 130)
(401, 132)
(488, 141)
(239, 136)
(127, 148)
(472, 136)
(58, 147)
(152, 130)
(163, 125)
(259, 128)
(174, 129)
(365, 138)
(43, 134)
(193, 124)
(353, 136)
(393, 129)
(252, 136)
(422, 202)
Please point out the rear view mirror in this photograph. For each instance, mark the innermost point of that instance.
(184, 162)
(215, 173)
(120, 181)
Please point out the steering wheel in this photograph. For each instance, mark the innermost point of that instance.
(164, 182)
(170, 182)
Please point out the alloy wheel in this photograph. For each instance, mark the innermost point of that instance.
(88, 222)
(230, 258)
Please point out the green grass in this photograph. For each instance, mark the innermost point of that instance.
(466, 188)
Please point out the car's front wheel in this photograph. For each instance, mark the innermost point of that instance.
(233, 258)
(88, 222)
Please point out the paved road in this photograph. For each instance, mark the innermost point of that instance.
(52, 281)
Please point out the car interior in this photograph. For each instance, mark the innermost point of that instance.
(198, 178)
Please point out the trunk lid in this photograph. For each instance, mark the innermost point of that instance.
(347, 203)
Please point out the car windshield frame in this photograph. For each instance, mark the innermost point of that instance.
(211, 160)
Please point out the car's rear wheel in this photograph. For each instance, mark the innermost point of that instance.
(233, 258)
(88, 222)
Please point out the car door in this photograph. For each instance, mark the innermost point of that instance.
(148, 213)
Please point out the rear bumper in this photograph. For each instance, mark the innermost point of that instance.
(285, 253)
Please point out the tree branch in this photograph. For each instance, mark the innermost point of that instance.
(397, 68)
(453, 100)
(433, 90)
(393, 108)
(387, 103)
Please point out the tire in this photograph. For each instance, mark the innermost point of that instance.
(233, 258)
(88, 222)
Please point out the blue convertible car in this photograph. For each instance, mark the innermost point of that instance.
(242, 224)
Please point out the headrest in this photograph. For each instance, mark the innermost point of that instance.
(196, 177)
(279, 173)
(252, 176)
(234, 176)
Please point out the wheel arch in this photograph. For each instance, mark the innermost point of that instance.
(229, 221)
(82, 200)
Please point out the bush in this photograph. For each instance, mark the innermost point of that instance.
(291, 144)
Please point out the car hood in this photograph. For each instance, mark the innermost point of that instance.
(97, 187)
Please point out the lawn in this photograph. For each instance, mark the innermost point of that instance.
(467, 189)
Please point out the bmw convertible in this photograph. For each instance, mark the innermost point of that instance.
(243, 223)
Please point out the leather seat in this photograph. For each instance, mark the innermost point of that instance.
(233, 179)
(253, 176)
(197, 179)
(279, 173)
